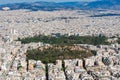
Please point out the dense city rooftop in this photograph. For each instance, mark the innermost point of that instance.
(20, 28)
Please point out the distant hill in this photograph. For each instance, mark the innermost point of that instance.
(46, 6)
(104, 4)
(51, 6)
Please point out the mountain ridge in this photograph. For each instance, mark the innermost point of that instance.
(51, 6)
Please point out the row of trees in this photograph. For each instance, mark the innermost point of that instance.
(66, 40)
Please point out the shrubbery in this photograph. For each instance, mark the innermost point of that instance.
(51, 54)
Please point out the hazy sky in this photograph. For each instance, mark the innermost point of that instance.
(17, 1)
